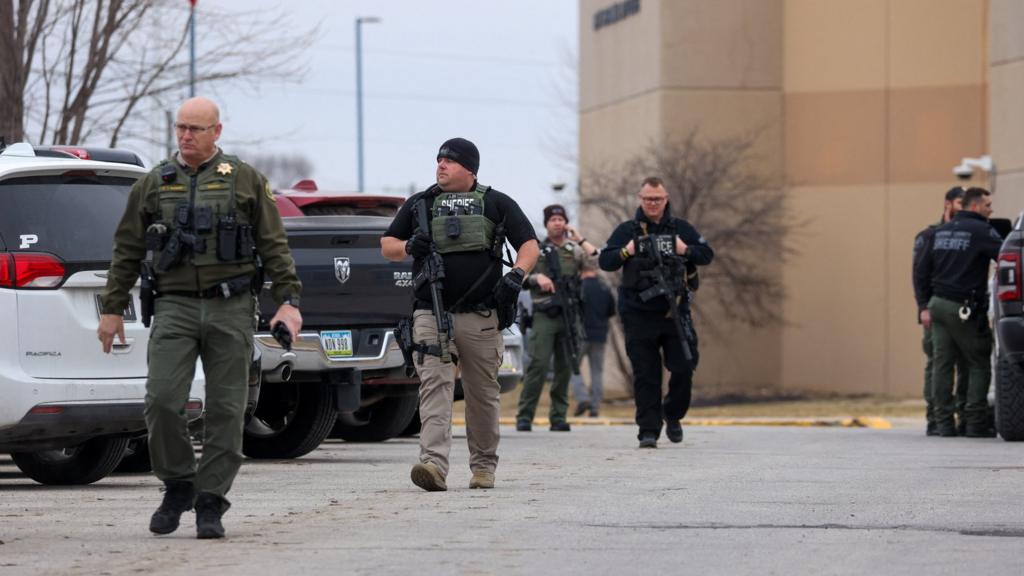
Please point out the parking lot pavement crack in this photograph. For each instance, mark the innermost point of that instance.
(997, 531)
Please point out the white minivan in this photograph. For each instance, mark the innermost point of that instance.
(67, 411)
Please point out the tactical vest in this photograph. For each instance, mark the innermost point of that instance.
(458, 223)
(633, 276)
(567, 265)
(215, 191)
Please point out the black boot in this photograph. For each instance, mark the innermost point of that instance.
(209, 509)
(178, 496)
(674, 431)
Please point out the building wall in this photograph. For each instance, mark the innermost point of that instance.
(1007, 104)
(710, 65)
(863, 107)
(882, 98)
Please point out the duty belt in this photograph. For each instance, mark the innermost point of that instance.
(226, 289)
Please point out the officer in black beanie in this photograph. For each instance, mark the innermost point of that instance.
(465, 219)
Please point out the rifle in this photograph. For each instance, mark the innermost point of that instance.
(669, 281)
(432, 272)
(567, 297)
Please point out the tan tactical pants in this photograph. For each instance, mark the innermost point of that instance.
(479, 346)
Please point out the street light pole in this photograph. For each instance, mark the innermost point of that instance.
(359, 93)
(192, 49)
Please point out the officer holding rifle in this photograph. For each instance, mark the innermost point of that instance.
(456, 231)
(557, 324)
(197, 228)
(657, 253)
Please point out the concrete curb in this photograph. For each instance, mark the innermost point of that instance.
(873, 422)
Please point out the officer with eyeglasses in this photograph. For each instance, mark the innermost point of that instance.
(203, 227)
(656, 253)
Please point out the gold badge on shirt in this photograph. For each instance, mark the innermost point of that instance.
(224, 168)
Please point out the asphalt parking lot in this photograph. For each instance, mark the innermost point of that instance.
(729, 500)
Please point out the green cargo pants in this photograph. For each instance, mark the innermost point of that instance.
(220, 332)
(546, 336)
(961, 380)
(973, 341)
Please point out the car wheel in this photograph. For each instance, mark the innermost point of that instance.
(382, 420)
(291, 420)
(82, 464)
(414, 425)
(136, 457)
(1010, 400)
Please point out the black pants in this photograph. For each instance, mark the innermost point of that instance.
(652, 341)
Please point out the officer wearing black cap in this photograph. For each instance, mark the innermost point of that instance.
(953, 203)
(467, 224)
(962, 252)
(635, 246)
(562, 254)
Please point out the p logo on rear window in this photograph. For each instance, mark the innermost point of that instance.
(27, 240)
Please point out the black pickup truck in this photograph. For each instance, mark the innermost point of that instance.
(345, 375)
(346, 361)
(1009, 350)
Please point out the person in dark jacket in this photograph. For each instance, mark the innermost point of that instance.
(953, 203)
(650, 329)
(598, 307)
(961, 253)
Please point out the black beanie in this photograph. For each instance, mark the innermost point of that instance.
(462, 151)
(555, 210)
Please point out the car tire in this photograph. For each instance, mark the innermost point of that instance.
(384, 419)
(414, 426)
(1010, 400)
(85, 463)
(291, 420)
(136, 457)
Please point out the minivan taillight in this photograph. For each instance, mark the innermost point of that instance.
(30, 270)
(1008, 277)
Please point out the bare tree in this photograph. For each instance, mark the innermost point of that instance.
(282, 170)
(719, 187)
(77, 70)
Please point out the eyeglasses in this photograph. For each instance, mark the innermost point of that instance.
(653, 199)
(182, 128)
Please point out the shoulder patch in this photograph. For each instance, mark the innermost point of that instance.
(268, 191)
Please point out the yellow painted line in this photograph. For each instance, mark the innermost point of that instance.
(872, 422)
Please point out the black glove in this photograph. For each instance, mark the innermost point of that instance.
(507, 289)
(418, 246)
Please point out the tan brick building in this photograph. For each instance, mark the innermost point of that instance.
(868, 105)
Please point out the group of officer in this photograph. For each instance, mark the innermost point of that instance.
(950, 275)
(202, 229)
(455, 231)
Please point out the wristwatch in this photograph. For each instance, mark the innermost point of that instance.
(291, 301)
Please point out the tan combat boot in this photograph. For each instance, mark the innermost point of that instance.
(428, 477)
(482, 480)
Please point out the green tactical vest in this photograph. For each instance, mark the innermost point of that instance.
(215, 187)
(567, 265)
(458, 223)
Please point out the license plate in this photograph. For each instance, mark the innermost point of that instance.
(337, 344)
(129, 310)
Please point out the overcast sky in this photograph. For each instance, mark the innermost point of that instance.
(500, 73)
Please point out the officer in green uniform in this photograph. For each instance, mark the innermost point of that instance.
(548, 334)
(922, 286)
(962, 252)
(203, 221)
